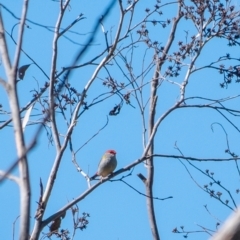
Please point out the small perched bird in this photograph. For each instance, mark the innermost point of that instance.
(107, 164)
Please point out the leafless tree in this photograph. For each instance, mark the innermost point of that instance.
(62, 101)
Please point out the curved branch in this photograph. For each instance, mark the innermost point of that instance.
(38, 225)
(52, 76)
(122, 170)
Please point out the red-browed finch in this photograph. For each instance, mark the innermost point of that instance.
(107, 164)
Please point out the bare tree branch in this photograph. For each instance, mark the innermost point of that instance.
(230, 229)
(19, 139)
(3, 47)
(52, 75)
(10, 177)
(38, 225)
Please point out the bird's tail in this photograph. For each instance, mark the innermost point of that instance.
(93, 177)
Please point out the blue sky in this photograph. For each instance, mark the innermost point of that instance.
(116, 211)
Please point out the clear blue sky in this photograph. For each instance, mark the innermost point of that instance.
(118, 212)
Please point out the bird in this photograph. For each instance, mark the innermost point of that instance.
(107, 164)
